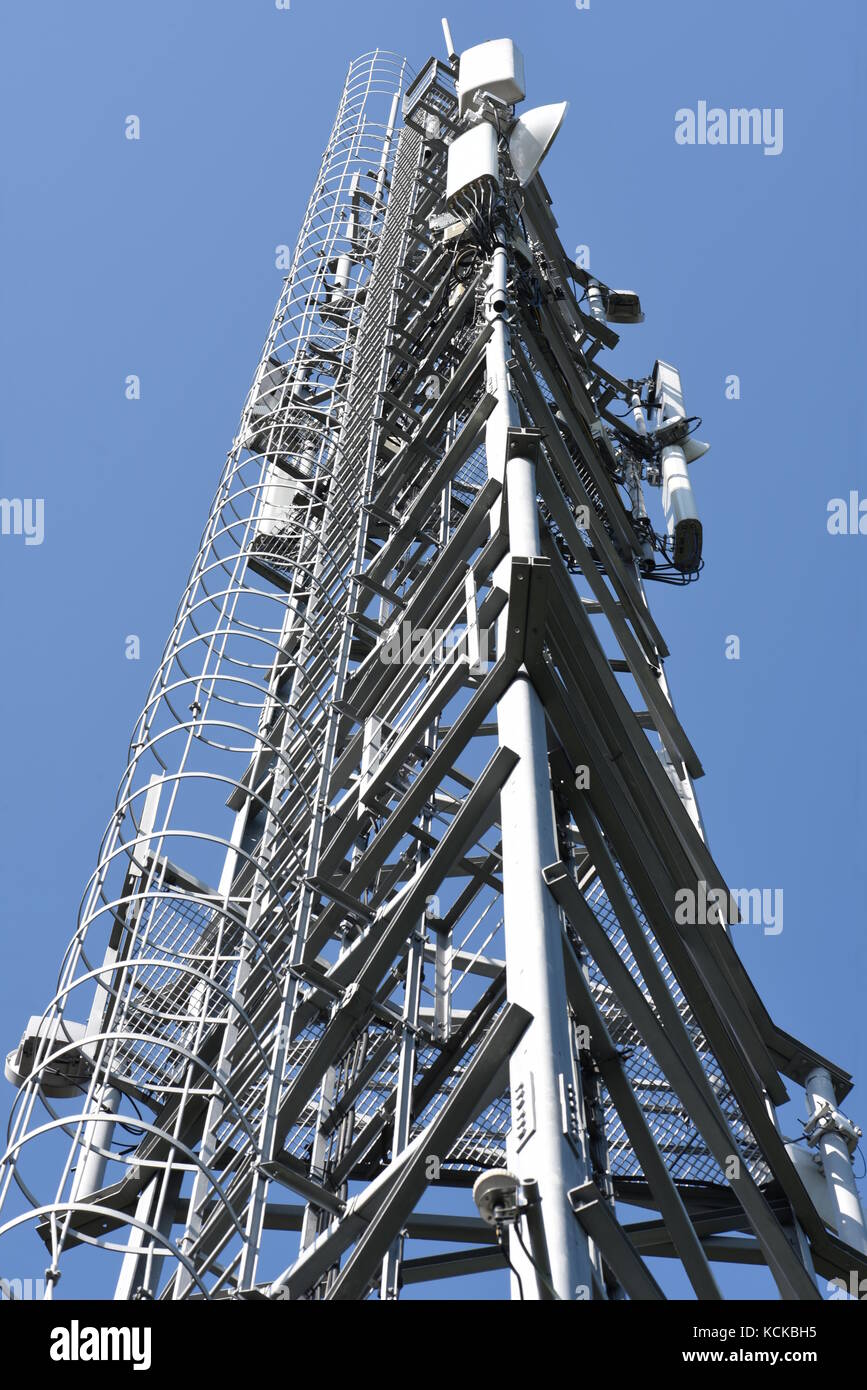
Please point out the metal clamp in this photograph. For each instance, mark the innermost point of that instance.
(826, 1120)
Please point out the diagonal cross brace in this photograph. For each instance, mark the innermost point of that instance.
(618, 1252)
(607, 1058)
(440, 1136)
(791, 1277)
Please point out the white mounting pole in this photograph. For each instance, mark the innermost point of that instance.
(95, 1141)
(836, 1159)
(541, 1069)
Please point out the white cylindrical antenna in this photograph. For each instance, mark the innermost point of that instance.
(451, 51)
(681, 513)
(678, 500)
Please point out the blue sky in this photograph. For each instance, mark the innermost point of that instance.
(156, 258)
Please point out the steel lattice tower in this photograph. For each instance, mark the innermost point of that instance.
(388, 899)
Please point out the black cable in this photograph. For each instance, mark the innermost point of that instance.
(504, 1248)
(541, 1273)
(131, 1129)
(628, 411)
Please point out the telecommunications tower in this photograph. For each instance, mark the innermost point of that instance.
(390, 904)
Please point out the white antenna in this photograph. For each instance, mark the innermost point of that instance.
(451, 51)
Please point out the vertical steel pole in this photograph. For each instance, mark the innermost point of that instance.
(95, 1141)
(837, 1164)
(541, 1069)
